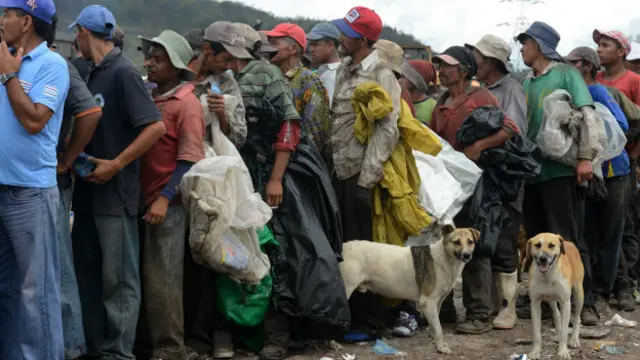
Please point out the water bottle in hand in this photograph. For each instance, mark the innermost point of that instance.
(215, 89)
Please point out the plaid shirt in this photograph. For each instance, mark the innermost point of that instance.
(260, 81)
(312, 103)
(228, 86)
(350, 157)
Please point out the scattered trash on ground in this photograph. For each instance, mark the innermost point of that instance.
(518, 357)
(326, 358)
(382, 348)
(618, 320)
(610, 348)
(349, 357)
(525, 342)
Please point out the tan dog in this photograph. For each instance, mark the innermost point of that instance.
(425, 274)
(555, 273)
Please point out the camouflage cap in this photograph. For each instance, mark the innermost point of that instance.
(495, 47)
(391, 53)
(230, 36)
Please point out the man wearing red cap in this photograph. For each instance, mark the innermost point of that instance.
(310, 97)
(358, 167)
(613, 49)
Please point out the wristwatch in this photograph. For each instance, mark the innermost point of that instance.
(6, 77)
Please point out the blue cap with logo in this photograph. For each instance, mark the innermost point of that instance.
(96, 18)
(39, 9)
(324, 30)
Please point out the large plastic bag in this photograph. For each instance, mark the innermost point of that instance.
(616, 139)
(444, 194)
(243, 304)
(439, 189)
(225, 212)
(560, 131)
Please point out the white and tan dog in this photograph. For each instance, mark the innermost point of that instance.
(555, 274)
(425, 274)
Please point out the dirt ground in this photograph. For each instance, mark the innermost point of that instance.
(493, 345)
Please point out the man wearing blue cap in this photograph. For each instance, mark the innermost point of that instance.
(323, 46)
(106, 202)
(552, 202)
(34, 82)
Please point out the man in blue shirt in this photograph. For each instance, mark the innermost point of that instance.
(604, 220)
(34, 84)
(106, 246)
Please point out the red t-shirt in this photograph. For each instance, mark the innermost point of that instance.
(446, 121)
(184, 119)
(628, 84)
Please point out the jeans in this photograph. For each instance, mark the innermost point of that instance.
(74, 343)
(106, 252)
(557, 206)
(30, 317)
(162, 268)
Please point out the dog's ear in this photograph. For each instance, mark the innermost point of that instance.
(447, 229)
(528, 258)
(475, 235)
(562, 249)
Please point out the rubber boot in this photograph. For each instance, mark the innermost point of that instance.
(508, 290)
(496, 297)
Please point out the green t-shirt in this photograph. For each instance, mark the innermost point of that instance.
(559, 77)
(424, 109)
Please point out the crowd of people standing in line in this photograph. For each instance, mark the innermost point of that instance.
(122, 280)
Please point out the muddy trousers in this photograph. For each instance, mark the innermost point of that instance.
(277, 328)
(505, 259)
(604, 222)
(476, 281)
(630, 249)
(161, 321)
(557, 206)
(367, 310)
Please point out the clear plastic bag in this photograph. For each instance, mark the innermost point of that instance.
(447, 182)
(616, 139)
(225, 212)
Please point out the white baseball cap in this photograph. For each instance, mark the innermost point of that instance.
(635, 51)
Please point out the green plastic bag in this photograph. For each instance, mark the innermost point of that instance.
(245, 305)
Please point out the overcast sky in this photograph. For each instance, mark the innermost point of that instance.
(454, 22)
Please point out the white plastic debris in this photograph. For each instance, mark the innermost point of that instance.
(618, 320)
(518, 357)
(326, 358)
(348, 357)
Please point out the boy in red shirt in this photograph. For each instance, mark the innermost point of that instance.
(613, 49)
(162, 168)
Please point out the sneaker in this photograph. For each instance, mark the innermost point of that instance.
(474, 327)
(626, 300)
(589, 316)
(406, 325)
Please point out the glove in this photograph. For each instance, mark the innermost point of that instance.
(365, 195)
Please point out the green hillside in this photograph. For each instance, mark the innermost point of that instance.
(147, 17)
